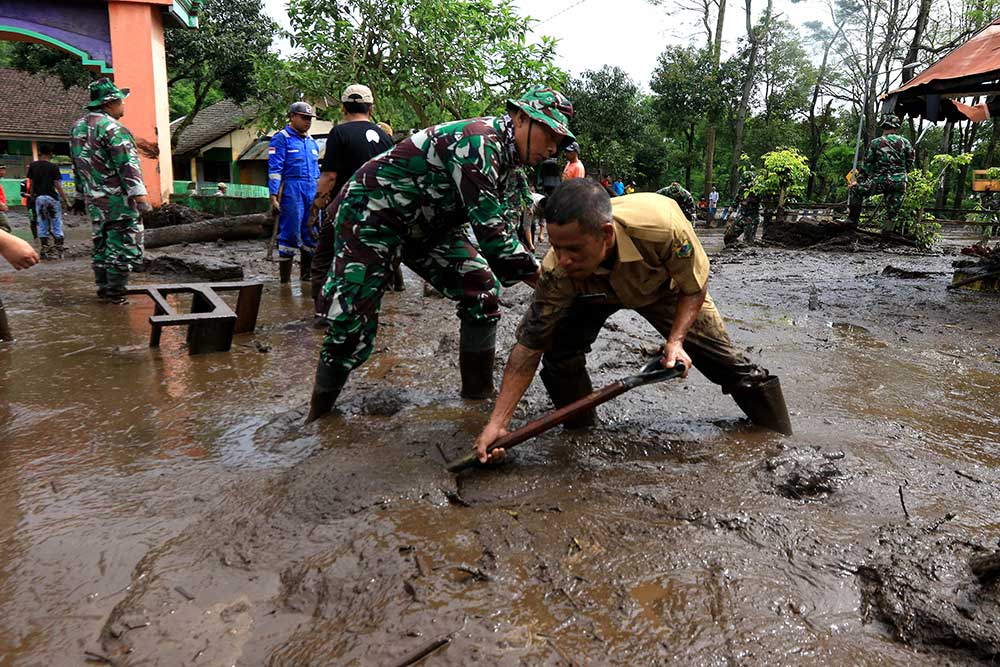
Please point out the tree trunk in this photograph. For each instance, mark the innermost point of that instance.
(200, 95)
(991, 150)
(942, 194)
(919, 26)
(689, 133)
(710, 130)
(741, 111)
(709, 160)
(971, 132)
(236, 228)
(816, 143)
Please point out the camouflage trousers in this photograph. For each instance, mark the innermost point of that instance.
(364, 254)
(117, 245)
(745, 223)
(892, 196)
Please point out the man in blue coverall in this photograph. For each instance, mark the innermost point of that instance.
(292, 172)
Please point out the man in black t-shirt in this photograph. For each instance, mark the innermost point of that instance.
(348, 146)
(45, 189)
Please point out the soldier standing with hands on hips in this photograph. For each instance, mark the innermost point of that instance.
(292, 172)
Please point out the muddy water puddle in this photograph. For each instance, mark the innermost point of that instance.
(167, 509)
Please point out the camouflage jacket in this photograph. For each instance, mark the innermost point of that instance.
(443, 177)
(682, 197)
(518, 196)
(746, 197)
(889, 158)
(106, 167)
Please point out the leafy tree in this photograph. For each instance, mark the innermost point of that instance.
(39, 58)
(610, 120)
(685, 85)
(426, 60)
(218, 59)
(920, 188)
(785, 173)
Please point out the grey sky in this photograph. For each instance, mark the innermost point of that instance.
(628, 33)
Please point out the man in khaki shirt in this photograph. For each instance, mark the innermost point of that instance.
(638, 252)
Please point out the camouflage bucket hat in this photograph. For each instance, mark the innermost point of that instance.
(549, 107)
(891, 121)
(104, 90)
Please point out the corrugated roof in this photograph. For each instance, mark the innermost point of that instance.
(970, 70)
(36, 105)
(976, 61)
(211, 123)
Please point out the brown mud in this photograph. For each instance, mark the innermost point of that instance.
(168, 510)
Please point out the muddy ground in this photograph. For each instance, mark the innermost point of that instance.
(162, 509)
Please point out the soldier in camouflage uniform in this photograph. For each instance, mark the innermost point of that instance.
(109, 180)
(889, 158)
(747, 218)
(682, 197)
(439, 201)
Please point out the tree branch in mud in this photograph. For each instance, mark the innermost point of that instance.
(903, 502)
(424, 652)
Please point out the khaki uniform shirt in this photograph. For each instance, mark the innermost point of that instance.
(658, 257)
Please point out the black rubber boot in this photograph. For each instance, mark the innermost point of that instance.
(326, 388)
(764, 404)
(854, 213)
(476, 351)
(101, 280)
(59, 247)
(117, 284)
(566, 386)
(285, 270)
(477, 373)
(305, 266)
(44, 248)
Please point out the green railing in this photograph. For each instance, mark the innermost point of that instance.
(240, 190)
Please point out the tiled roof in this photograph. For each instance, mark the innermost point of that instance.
(35, 105)
(209, 124)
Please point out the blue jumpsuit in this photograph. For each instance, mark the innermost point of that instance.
(293, 161)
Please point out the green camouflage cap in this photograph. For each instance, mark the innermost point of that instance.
(891, 121)
(549, 107)
(104, 90)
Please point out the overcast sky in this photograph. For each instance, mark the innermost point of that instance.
(628, 33)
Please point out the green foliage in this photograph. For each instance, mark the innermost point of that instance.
(42, 59)
(609, 120)
(785, 172)
(218, 59)
(786, 75)
(223, 50)
(921, 186)
(426, 61)
(182, 98)
(685, 85)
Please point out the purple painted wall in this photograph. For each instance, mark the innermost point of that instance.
(80, 23)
